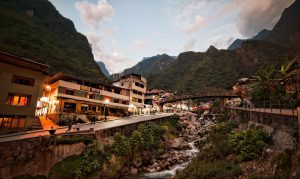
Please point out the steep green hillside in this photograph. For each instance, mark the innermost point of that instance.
(150, 65)
(34, 29)
(218, 69)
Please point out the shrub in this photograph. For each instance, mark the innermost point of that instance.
(211, 169)
(249, 144)
(90, 161)
(151, 134)
(121, 145)
(136, 141)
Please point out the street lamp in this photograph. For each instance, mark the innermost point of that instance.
(105, 104)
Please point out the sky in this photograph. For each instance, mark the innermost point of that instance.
(123, 32)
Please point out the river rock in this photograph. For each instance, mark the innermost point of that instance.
(133, 171)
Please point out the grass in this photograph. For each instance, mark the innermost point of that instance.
(65, 169)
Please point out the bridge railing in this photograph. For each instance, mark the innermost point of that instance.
(199, 94)
(289, 107)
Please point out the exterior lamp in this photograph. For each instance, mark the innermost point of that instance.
(105, 112)
(48, 88)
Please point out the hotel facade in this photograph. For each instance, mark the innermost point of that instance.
(137, 86)
(66, 93)
(21, 82)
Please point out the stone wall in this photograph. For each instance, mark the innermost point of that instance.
(33, 156)
(282, 128)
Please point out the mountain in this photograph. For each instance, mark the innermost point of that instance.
(150, 65)
(262, 35)
(103, 68)
(218, 69)
(34, 29)
(237, 43)
(286, 32)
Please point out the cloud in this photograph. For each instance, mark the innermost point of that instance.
(224, 35)
(113, 58)
(139, 44)
(190, 45)
(253, 16)
(93, 14)
(192, 15)
(195, 26)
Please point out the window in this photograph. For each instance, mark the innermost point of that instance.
(91, 96)
(139, 84)
(137, 100)
(70, 92)
(137, 92)
(22, 80)
(18, 100)
(116, 100)
(125, 102)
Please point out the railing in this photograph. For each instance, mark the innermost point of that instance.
(199, 94)
(286, 108)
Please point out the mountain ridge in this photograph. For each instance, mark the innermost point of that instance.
(36, 30)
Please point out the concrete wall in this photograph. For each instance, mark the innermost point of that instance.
(282, 128)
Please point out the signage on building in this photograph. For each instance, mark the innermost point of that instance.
(85, 88)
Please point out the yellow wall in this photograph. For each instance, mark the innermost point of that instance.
(6, 86)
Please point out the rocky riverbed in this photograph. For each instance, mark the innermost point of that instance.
(180, 150)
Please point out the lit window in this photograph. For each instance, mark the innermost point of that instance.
(18, 100)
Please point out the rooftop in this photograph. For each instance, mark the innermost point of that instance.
(23, 62)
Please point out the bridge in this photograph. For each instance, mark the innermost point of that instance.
(226, 94)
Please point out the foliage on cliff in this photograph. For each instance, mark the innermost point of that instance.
(36, 30)
(222, 151)
(217, 69)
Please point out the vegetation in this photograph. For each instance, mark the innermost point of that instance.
(36, 30)
(249, 144)
(90, 161)
(212, 161)
(79, 166)
(147, 137)
(269, 83)
(223, 149)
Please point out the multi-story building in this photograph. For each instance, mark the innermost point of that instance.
(70, 94)
(21, 83)
(137, 86)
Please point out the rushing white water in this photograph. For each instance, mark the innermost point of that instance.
(176, 168)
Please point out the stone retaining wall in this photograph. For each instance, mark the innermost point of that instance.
(33, 156)
(282, 128)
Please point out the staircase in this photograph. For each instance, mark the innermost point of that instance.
(36, 124)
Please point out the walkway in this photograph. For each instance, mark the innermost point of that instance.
(47, 123)
(84, 127)
(288, 112)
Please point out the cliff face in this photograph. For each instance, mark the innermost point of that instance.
(36, 30)
(218, 69)
(150, 65)
(287, 30)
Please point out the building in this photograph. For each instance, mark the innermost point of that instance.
(66, 93)
(137, 85)
(21, 85)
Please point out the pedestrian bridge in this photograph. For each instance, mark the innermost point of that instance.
(226, 94)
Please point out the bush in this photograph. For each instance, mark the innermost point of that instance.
(68, 140)
(211, 169)
(90, 161)
(136, 141)
(121, 145)
(249, 144)
(151, 134)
